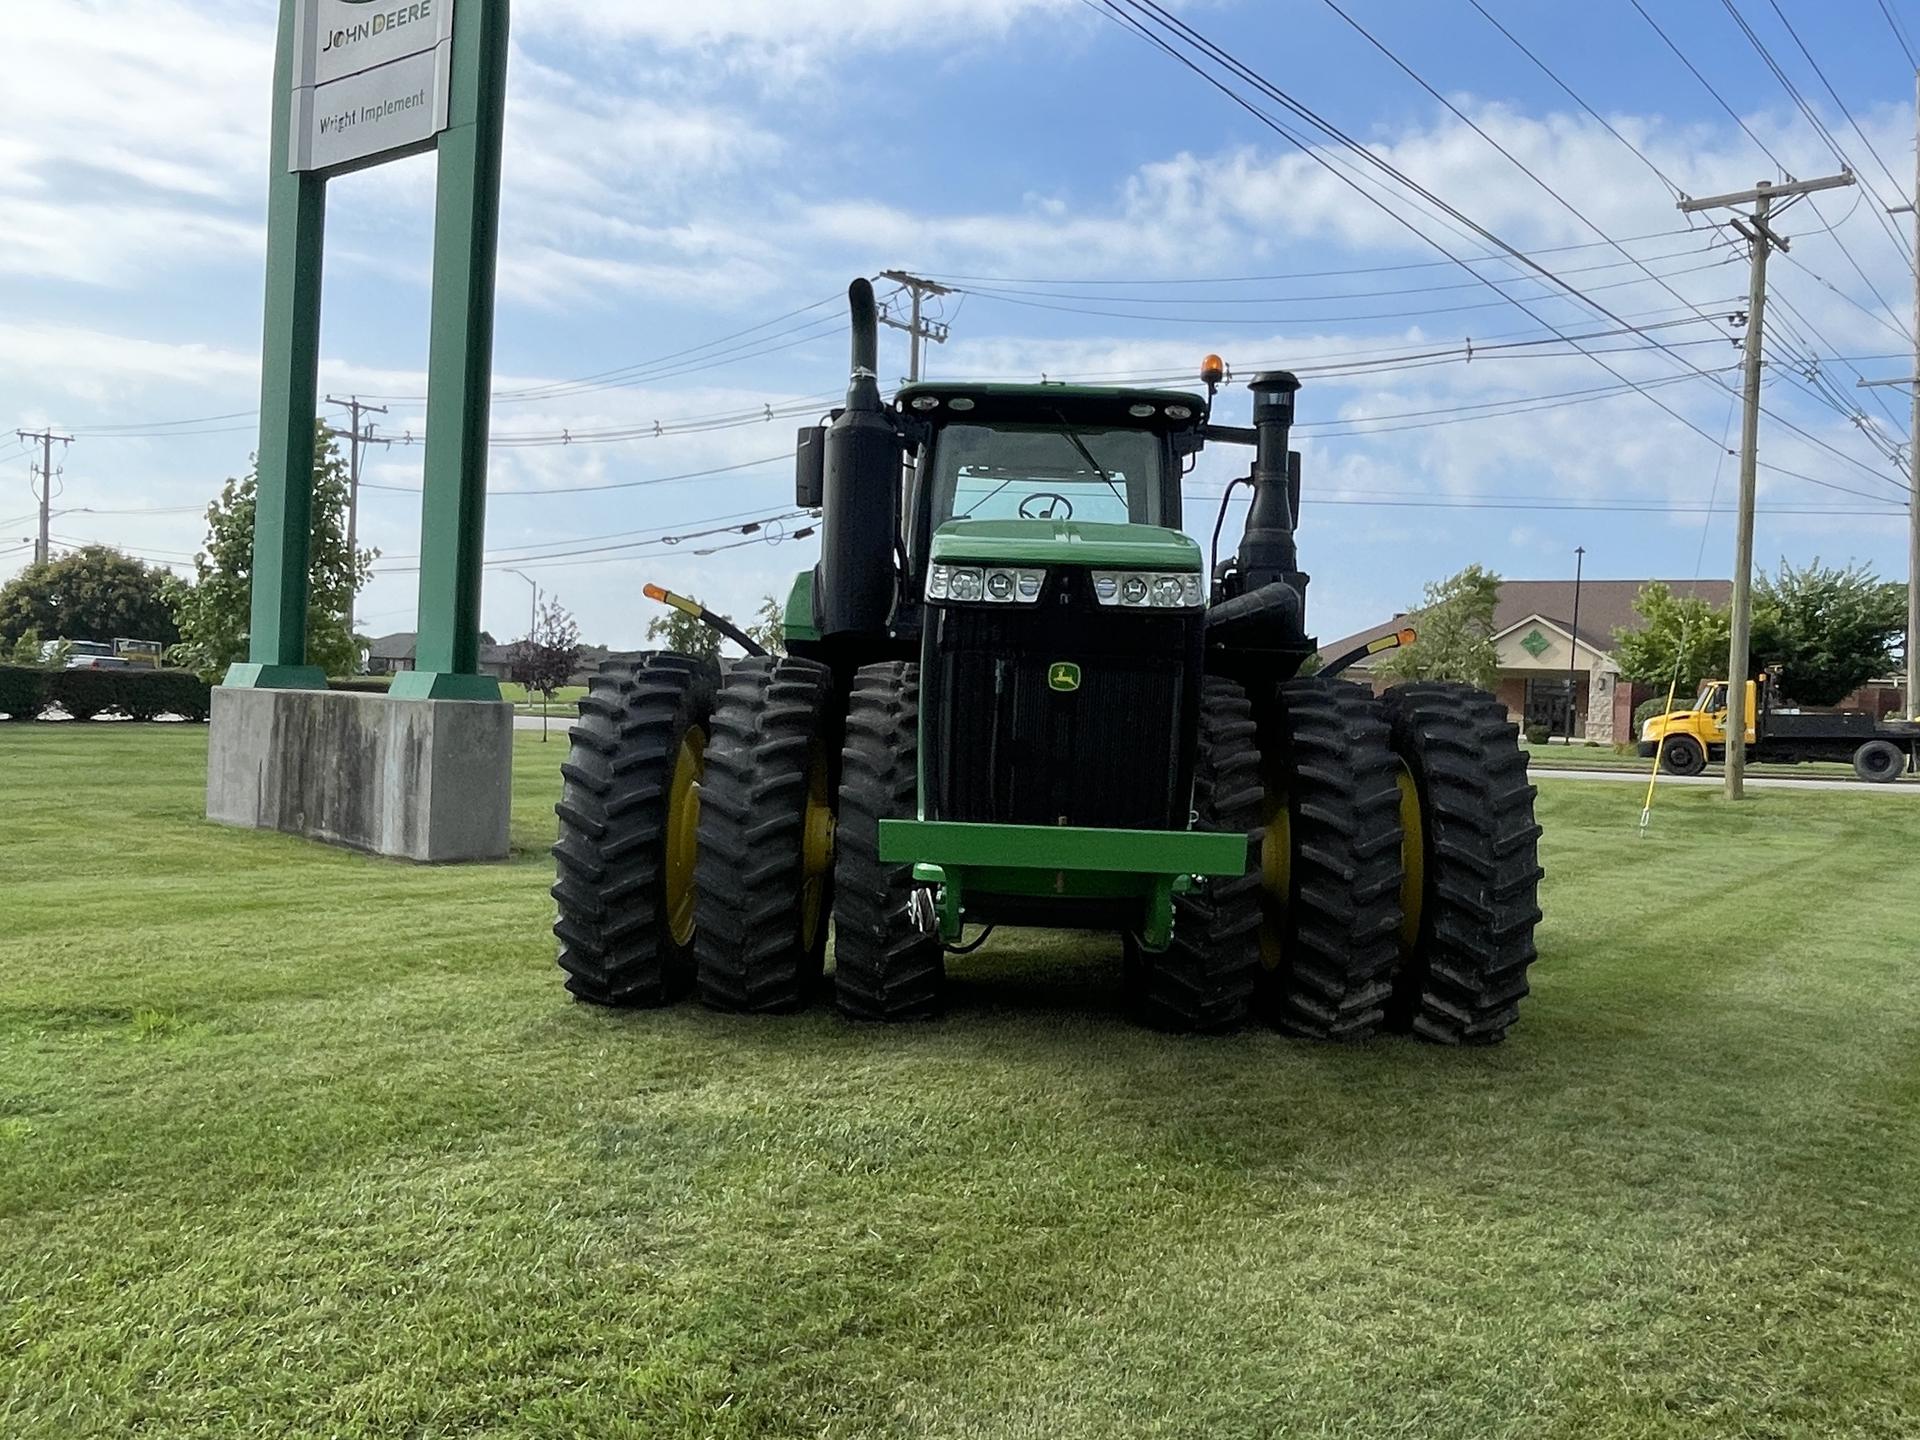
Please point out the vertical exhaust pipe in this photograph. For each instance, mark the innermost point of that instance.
(855, 585)
(863, 383)
(1267, 550)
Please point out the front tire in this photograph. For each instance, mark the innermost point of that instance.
(1472, 862)
(887, 965)
(766, 837)
(1206, 977)
(1330, 861)
(624, 858)
(1682, 755)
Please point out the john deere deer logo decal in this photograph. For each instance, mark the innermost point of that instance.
(1063, 675)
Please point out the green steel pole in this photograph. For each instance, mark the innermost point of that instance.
(289, 392)
(460, 364)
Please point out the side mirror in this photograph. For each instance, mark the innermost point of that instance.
(810, 467)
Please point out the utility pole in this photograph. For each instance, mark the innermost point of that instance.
(1754, 228)
(1573, 649)
(357, 437)
(1913, 448)
(917, 327)
(1912, 382)
(42, 547)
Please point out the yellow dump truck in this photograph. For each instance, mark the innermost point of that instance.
(1779, 734)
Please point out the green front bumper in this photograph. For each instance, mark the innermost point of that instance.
(1064, 860)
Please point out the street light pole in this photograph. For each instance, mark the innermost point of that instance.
(533, 623)
(1573, 648)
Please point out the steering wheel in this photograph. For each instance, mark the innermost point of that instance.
(1046, 505)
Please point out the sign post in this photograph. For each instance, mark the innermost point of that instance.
(357, 83)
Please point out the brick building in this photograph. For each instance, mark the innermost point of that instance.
(1533, 631)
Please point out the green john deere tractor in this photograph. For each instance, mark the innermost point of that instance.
(1015, 694)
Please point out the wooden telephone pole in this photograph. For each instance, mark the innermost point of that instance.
(1763, 240)
(918, 328)
(1912, 382)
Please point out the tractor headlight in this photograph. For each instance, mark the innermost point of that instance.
(1148, 590)
(991, 584)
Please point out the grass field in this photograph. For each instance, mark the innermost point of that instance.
(1605, 757)
(298, 1142)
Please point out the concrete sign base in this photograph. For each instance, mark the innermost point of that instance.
(423, 780)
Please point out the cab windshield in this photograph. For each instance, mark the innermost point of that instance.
(1038, 472)
(1712, 697)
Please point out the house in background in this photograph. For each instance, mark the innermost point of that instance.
(390, 654)
(1533, 631)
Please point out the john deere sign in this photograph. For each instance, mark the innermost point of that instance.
(370, 79)
(357, 82)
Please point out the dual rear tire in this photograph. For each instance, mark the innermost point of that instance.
(1392, 881)
(1394, 872)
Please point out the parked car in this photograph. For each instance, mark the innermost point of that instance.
(99, 662)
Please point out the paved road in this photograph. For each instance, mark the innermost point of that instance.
(1758, 782)
(558, 729)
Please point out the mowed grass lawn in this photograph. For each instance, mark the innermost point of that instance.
(299, 1142)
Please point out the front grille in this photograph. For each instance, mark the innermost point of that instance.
(1004, 746)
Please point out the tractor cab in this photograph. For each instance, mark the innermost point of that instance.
(1045, 453)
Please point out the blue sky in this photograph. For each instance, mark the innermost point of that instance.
(677, 175)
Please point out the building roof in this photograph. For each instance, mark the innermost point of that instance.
(1605, 606)
(397, 646)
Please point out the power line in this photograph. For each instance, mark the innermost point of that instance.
(1009, 298)
(1529, 173)
(1820, 126)
(1547, 70)
(618, 485)
(1301, 274)
(1778, 164)
(1900, 35)
(1807, 55)
(1174, 26)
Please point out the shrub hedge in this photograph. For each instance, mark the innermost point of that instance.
(361, 684)
(23, 692)
(139, 694)
(1646, 709)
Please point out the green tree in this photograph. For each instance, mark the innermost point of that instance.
(1681, 628)
(26, 650)
(676, 630)
(214, 613)
(1455, 621)
(546, 659)
(93, 593)
(769, 626)
(1827, 630)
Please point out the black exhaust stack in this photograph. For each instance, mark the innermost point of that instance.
(1267, 551)
(855, 584)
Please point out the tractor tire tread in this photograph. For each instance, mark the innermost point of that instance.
(1468, 973)
(616, 947)
(1206, 978)
(1336, 965)
(886, 966)
(768, 714)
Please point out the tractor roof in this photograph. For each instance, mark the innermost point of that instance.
(1081, 404)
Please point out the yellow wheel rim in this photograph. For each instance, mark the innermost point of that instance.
(816, 850)
(1413, 861)
(683, 831)
(1276, 876)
